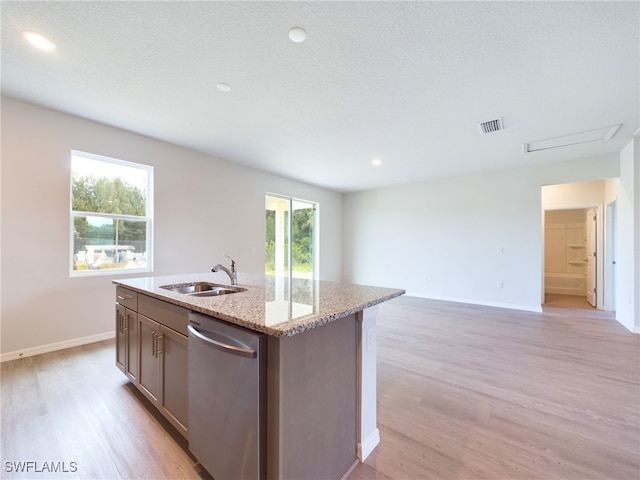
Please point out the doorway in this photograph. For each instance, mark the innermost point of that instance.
(570, 267)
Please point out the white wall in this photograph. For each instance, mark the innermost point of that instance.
(573, 195)
(204, 208)
(626, 192)
(457, 238)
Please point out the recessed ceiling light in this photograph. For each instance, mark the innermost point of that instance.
(297, 34)
(376, 161)
(38, 40)
(224, 87)
(404, 179)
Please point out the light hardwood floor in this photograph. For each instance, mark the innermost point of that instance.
(567, 301)
(483, 393)
(464, 392)
(76, 406)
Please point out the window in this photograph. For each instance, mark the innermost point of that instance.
(111, 215)
(290, 247)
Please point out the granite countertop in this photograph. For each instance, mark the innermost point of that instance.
(271, 305)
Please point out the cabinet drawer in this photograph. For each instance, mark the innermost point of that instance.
(127, 298)
(169, 315)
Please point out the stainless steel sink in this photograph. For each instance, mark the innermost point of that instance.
(203, 289)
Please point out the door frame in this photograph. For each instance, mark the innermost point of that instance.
(591, 215)
(600, 285)
(610, 256)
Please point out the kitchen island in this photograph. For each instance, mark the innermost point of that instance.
(319, 361)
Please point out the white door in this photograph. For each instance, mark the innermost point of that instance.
(591, 255)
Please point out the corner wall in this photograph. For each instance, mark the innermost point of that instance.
(626, 191)
(204, 208)
(474, 239)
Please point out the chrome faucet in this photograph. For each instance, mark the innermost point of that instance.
(233, 275)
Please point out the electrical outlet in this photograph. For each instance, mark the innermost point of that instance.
(371, 339)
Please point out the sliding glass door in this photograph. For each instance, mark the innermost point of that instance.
(290, 246)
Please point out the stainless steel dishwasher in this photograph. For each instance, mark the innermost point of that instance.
(226, 398)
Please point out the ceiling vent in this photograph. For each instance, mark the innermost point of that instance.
(491, 126)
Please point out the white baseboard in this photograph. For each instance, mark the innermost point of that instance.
(629, 327)
(525, 308)
(511, 306)
(368, 444)
(52, 347)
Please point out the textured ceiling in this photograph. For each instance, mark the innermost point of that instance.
(405, 82)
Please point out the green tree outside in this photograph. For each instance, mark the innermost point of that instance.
(109, 196)
(302, 240)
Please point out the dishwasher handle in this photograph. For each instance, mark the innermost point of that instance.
(244, 352)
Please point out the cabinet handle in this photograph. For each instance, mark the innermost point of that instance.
(153, 344)
(124, 297)
(156, 348)
(160, 347)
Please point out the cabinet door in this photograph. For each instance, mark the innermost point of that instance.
(175, 397)
(149, 378)
(121, 337)
(132, 345)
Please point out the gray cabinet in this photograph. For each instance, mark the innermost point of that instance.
(175, 397)
(151, 349)
(150, 338)
(127, 333)
(121, 338)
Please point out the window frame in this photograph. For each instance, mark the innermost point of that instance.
(147, 219)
